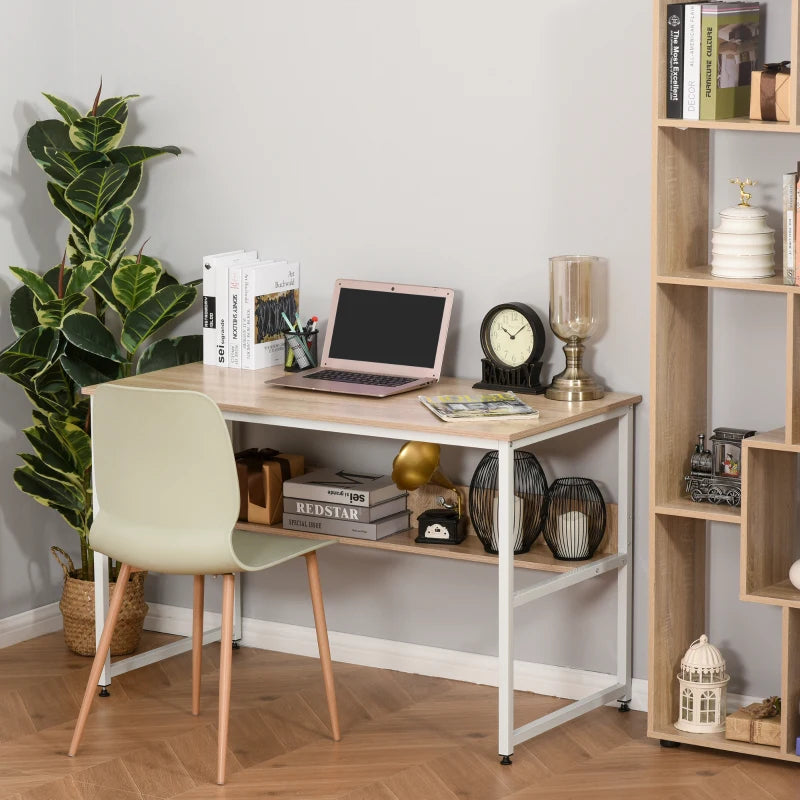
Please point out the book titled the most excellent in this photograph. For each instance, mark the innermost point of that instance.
(343, 487)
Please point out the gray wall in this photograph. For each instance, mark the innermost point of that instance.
(456, 143)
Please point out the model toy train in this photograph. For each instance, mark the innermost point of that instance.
(715, 476)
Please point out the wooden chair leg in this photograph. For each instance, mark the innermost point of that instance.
(225, 659)
(197, 640)
(322, 641)
(103, 647)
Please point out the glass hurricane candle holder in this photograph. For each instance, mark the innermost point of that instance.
(574, 304)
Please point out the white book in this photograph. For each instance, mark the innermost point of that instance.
(234, 316)
(789, 220)
(221, 266)
(692, 22)
(269, 289)
(210, 304)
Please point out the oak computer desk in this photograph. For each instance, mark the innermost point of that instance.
(242, 396)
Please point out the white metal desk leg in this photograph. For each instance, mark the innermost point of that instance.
(505, 626)
(625, 546)
(100, 611)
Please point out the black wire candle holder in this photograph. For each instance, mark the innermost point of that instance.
(576, 519)
(530, 501)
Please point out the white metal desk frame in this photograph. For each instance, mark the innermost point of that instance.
(508, 599)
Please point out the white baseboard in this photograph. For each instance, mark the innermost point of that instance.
(419, 659)
(367, 651)
(30, 624)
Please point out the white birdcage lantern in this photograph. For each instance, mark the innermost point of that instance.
(703, 689)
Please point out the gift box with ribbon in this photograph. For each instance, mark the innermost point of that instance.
(769, 95)
(759, 723)
(261, 475)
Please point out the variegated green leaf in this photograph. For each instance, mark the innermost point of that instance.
(76, 440)
(153, 313)
(91, 191)
(128, 189)
(52, 277)
(74, 162)
(111, 232)
(77, 247)
(36, 283)
(82, 374)
(42, 402)
(49, 447)
(135, 280)
(80, 221)
(171, 352)
(57, 173)
(85, 274)
(51, 313)
(135, 154)
(95, 133)
(69, 113)
(103, 291)
(47, 133)
(87, 332)
(44, 470)
(115, 107)
(30, 353)
(52, 382)
(23, 315)
(48, 492)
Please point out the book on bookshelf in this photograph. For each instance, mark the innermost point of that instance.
(343, 487)
(692, 25)
(729, 48)
(342, 527)
(675, 44)
(495, 405)
(789, 224)
(269, 290)
(312, 508)
(234, 316)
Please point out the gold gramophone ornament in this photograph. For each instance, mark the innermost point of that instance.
(416, 465)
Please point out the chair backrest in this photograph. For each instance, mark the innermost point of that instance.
(166, 491)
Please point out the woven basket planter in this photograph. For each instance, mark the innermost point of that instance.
(77, 609)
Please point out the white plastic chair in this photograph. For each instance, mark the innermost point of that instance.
(167, 500)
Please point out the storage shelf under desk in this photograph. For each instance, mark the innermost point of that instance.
(538, 557)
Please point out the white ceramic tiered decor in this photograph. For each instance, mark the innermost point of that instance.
(703, 689)
(743, 246)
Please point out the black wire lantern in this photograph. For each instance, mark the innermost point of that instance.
(576, 519)
(530, 501)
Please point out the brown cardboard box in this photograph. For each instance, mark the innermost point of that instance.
(745, 728)
(775, 101)
(261, 476)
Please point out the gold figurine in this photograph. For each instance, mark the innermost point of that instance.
(745, 196)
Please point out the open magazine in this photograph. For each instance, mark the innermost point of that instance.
(498, 405)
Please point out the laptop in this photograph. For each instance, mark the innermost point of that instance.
(382, 339)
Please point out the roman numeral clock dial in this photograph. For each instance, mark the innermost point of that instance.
(512, 338)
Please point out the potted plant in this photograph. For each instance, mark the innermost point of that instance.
(89, 319)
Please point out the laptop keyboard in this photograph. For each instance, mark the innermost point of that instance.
(363, 378)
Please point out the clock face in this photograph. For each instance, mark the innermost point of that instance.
(509, 337)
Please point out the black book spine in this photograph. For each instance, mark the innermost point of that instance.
(675, 61)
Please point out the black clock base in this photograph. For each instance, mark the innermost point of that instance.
(522, 380)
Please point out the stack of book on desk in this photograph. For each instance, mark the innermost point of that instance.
(344, 503)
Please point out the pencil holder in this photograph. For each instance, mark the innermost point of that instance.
(299, 350)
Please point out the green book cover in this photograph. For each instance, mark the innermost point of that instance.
(729, 48)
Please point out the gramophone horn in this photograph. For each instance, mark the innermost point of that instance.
(416, 464)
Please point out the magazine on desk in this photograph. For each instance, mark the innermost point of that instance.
(497, 405)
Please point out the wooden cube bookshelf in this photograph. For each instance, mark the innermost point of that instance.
(679, 398)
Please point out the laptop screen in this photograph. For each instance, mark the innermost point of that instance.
(387, 327)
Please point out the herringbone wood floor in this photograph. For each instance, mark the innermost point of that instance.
(404, 737)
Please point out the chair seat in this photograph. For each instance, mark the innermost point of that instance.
(263, 550)
(160, 548)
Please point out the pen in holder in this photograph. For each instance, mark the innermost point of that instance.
(299, 350)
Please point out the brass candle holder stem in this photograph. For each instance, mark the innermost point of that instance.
(574, 383)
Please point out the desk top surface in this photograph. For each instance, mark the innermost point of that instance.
(245, 392)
